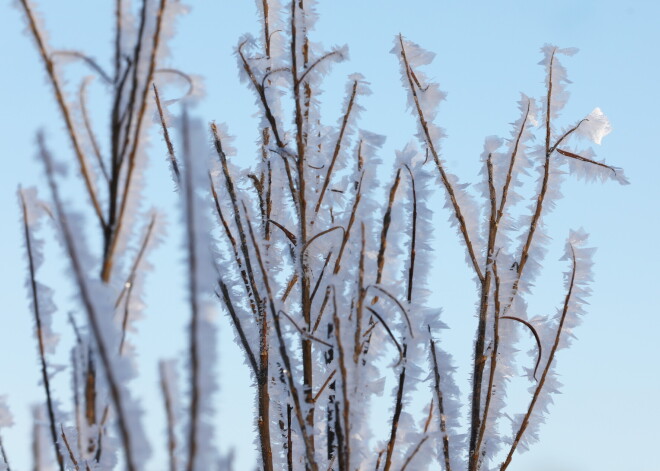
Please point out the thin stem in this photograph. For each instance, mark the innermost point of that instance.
(309, 451)
(398, 407)
(92, 314)
(537, 392)
(335, 153)
(4, 455)
(441, 407)
(166, 135)
(45, 378)
(132, 156)
(90, 130)
(64, 109)
(166, 390)
(443, 175)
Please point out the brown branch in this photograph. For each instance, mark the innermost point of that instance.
(323, 305)
(239, 327)
(262, 96)
(320, 234)
(342, 432)
(92, 315)
(45, 378)
(351, 221)
(389, 332)
(361, 293)
(64, 109)
(309, 453)
(194, 350)
(315, 63)
(289, 235)
(166, 135)
(493, 359)
(320, 278)
(476, 419)
(116, 225)
(325, 384)
(399, 305)
(512, 161)
(87, 60)
(289, 286)
(387, 219)
(3, 452)
(414, 452)
(302, 331)
(189, 80)
(445, 179)
(525, 422)
(69, 450)
(231, 189)
(536, 337)
(584, 159)
(566, 134)
(398, 407)
(441, 407)
(335, 154)
(128, 286)
(169, 415)
(413, 236)
(90, 130)
(252, 297)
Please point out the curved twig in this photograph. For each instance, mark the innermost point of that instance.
(389, 332)
(317, 62)
(87, 60)
(546, 370)
(320, 234)
(290, 235)
(397, 302)
(536, 337)
(189, 80)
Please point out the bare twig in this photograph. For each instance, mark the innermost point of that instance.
(445, 179)
(537, 392)
(64, 109)
(398, 407)
(166, 135)
(441, 406)
(167, 392)
(45, 378)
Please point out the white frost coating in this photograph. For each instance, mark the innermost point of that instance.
(202, 278)
(6, 417)
(98, 300)
(557, 77)
(576, 283)
(595, 126)
(594, 171)
(41, 441)
(424, 98)
(130, 303)
(170, 384)
(35, 209)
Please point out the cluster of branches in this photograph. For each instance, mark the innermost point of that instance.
(325, 282)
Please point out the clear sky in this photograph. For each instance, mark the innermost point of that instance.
(487, 51)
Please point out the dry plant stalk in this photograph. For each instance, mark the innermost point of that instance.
(322, 272)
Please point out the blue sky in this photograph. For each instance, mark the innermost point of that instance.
(486, 54)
